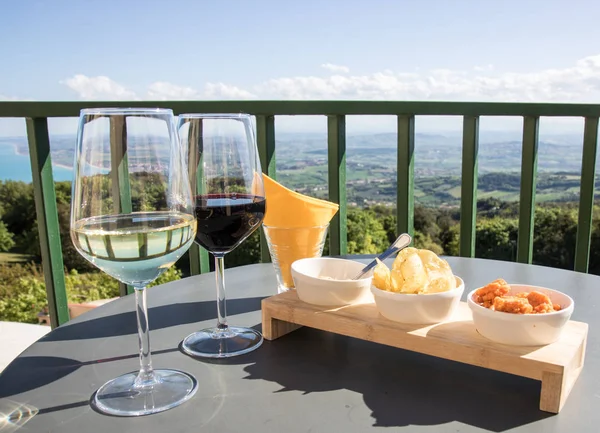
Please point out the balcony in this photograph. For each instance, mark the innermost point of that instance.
(36, 115)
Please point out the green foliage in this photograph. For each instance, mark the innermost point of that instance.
(18, 214)
(90, 286)
(22, 293)
(555, 237)
(171, 274)
(366, 234)
(496, 239)
(29, 300)
(71, 258)
(248, 252)
(424, 241)
(451, 239)
(6, 238)
(11, 274)
(370, 231)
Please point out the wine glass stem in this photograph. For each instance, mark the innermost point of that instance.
(221, 310)
(145, 376)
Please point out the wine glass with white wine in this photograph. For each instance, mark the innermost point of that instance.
(132, 217)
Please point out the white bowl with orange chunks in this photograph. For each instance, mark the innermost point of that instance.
(519, 314)
(420, 288)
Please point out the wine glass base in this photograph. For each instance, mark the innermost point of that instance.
(121, 398)
(217, 343)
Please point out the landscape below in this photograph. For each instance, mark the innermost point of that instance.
(371, 190)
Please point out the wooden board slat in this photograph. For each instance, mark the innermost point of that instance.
(556, 365)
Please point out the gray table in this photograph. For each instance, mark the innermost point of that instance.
(307, 381)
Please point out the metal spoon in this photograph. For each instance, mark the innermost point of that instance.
(402, 242)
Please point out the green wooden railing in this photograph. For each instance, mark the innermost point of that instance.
(37, 113)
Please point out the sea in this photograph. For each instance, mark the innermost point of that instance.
(18, 167)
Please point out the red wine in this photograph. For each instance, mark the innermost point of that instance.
(225, 220)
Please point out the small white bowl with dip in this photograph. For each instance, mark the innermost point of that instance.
(327, 281)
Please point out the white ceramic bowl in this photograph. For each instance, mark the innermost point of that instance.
(523, 329)
(341, 290)
(418, 309)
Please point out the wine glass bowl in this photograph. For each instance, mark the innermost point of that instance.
(132, 217)
(226, 181)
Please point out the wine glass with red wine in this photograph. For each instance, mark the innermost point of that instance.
(226, 180)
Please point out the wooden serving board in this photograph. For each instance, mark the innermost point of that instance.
(556, 365)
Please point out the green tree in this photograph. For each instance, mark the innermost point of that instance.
(248, 252)
(366, 234)
(496, 238)
(424, 241)
(555, 235)
(6, 238)
(18, 214)
(425, 221)
(451, 239)
(594, 264)
(28, 299)
(71, 257)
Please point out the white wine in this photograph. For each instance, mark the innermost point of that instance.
(134, 248)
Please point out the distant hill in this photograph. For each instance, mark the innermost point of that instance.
(371, 165)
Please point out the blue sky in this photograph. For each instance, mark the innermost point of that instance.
(509, 50)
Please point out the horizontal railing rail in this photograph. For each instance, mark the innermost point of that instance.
(298, 108)
(37, 113)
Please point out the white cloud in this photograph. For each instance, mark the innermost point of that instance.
(225, 91)
(336, 68)
(162, 90)
(577, 83)
(14, 98)
(98, 88)
(488, 67)
(104, 88)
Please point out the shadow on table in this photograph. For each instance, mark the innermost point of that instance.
(31, 372)
(401, 388)
(125, 323)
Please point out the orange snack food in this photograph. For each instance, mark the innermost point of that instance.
(497, 296)
(512, 304)
(485, 296)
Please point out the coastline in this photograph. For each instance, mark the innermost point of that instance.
(18, 151)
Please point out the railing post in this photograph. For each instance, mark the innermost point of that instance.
(527, 196)
(336, 144)
(405, 201)
(47, 218)
(119, 176)
(198, 256)
(265, 138)
(199, 260)
(468, 196)
(586, 194)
